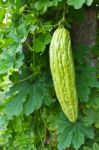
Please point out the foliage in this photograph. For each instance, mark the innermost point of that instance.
(30, 115)
(78, 3)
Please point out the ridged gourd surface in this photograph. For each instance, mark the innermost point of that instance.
(63, 74)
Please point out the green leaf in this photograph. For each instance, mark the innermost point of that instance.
(18, 62)
(72, 133)
(2, 13)
(87, 131)
(48, 90)
(65, 134)
(34, 99)
(87, 148)
(89, 2)
(14, 36)
(42, 5)
(79, 3)
(38, 46)
(6, 61)
(76, 3)
(55, 2)
(15, 98)
(5, 65)
(3, 122)
(15, 106)
(41, 41)
(53, 119)
(91, 73)
(93, 102)
(81, 51)
(83, 95)
(86, 79)
(95, 146)
(78, 138)
(19, 3)
(20, 87)
(90, 117)
(39, 91)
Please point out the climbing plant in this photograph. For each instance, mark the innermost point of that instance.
(31, 117)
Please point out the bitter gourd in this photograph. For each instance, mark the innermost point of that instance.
(63, 74)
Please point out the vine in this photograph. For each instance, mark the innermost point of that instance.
(30, 115)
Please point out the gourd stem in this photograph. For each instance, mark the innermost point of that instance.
(63, 20)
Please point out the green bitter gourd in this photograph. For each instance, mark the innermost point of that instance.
(63, 74)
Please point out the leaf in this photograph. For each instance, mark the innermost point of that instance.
(3, 122)
(2, 13)
(89, 118)
(55, 2)
(42, 5)
(53, 119)
(87, 131)
(14, 36)
(78, 138)
(41, 41)
(15, 98)
(38, 46)
(15, 106)
(6, 62)
(18, 62)
(72, 133)
(39, 91)
(19, 3)
(19, 87)
(34, 99)
(86, 79)
(91, 73)
(81, 51)
(19, 34)
(48, 90)
(89, 2)
(11, 57)
(65, 134)
(87, 148)
(28, 94)
(5, 65)
(95, 146)
(83, 95)
(76, 3)
(79, 3)
(93, 102)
